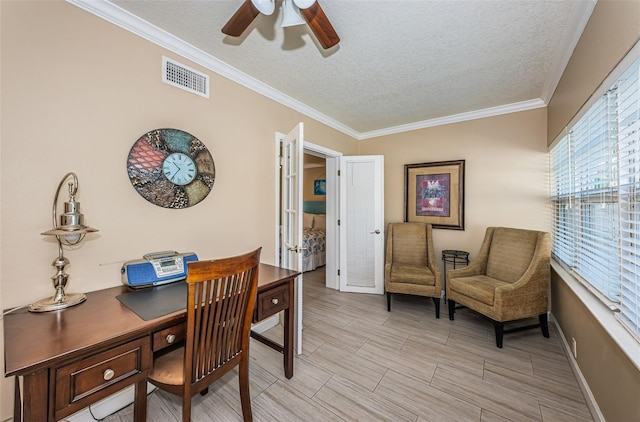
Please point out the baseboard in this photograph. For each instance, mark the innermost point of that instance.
(107, 406)
(582, 382)
(266, 324)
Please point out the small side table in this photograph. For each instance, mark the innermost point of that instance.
(451, 256)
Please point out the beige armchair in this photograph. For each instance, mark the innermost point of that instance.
(507, 281)
(410, 263)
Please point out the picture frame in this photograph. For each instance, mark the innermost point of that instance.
(434, 194)
(320, 187)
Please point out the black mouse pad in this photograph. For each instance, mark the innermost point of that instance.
(154, 302)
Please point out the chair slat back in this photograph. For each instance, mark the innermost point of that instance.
(221, 298)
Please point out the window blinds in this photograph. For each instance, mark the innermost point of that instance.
(595, 174)
(629, 144)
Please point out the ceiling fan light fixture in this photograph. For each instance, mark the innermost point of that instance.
(266, 7)
(304, 4)
(290, 14)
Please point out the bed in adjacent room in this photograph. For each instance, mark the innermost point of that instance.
(313, 241)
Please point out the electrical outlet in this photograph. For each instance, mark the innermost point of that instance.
(574, 346)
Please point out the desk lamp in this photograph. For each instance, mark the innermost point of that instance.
(69, 232)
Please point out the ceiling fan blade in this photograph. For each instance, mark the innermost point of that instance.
(320, 25)
(241, 20)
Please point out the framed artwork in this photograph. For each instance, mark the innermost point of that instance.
(434, 194)
(320, 187)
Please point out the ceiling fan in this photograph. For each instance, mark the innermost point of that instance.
(293, 11)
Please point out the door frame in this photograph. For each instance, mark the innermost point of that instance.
(332, 207)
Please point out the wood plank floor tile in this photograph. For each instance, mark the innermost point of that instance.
(380, 333)
(554, 395)
(416, 328)
(283, 403)
(353, 403)
(406, 361)
(429, 403)
(553, 415)
(363, 363)
(335, 335)
(412, 307)
(492, 417)
(447, 357)
(308, 378)
(496, 398)
(358, 370)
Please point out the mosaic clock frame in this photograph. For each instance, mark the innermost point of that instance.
(171, 168)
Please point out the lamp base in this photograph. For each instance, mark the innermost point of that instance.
(51, 304)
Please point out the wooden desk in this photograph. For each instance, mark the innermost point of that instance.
(74, 357)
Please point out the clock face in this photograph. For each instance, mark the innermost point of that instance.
(171, 168)
(179, 168)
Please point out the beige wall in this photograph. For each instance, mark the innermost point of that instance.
(614, 27)
(615, 382)
(77, 92)
(310, 175)
(506, 173)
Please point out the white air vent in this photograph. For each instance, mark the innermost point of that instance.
(184, 77)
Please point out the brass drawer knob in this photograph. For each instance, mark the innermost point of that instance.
(274, 301)
(108, 374)
(171, 338)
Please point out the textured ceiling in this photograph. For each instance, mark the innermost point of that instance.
(400, 65)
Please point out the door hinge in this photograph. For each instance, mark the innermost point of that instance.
(338, 172)
(338, 221)
(338, 272)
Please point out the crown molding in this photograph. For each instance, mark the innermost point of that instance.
(457, 118)
(577, 21)
(126, 20)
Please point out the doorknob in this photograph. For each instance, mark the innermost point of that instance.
(296, 249)
(376, 231)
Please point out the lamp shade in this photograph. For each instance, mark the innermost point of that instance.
(304, 4)
(266, 7)
(290, 14)
(71, 228)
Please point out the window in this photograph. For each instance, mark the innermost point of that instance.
(595, 192)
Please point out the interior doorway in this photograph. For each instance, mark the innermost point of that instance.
(314, 220)
(322, 210)
(317, 156)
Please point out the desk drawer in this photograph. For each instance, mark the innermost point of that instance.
(169, 336)
(272, 301)
(100, 375)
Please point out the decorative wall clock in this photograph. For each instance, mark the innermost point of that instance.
(171, 168)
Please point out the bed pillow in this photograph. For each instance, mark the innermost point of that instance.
(320, 222)
(307, 220)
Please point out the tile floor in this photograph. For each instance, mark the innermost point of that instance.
(362, 363)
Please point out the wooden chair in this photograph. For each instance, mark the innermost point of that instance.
(410, 263)
(220, 302)
(507, 281)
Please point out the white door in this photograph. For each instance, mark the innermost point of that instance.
(291, 210)
(362, 224)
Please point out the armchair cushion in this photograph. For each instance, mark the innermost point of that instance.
(412, 274)
(479, 287)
